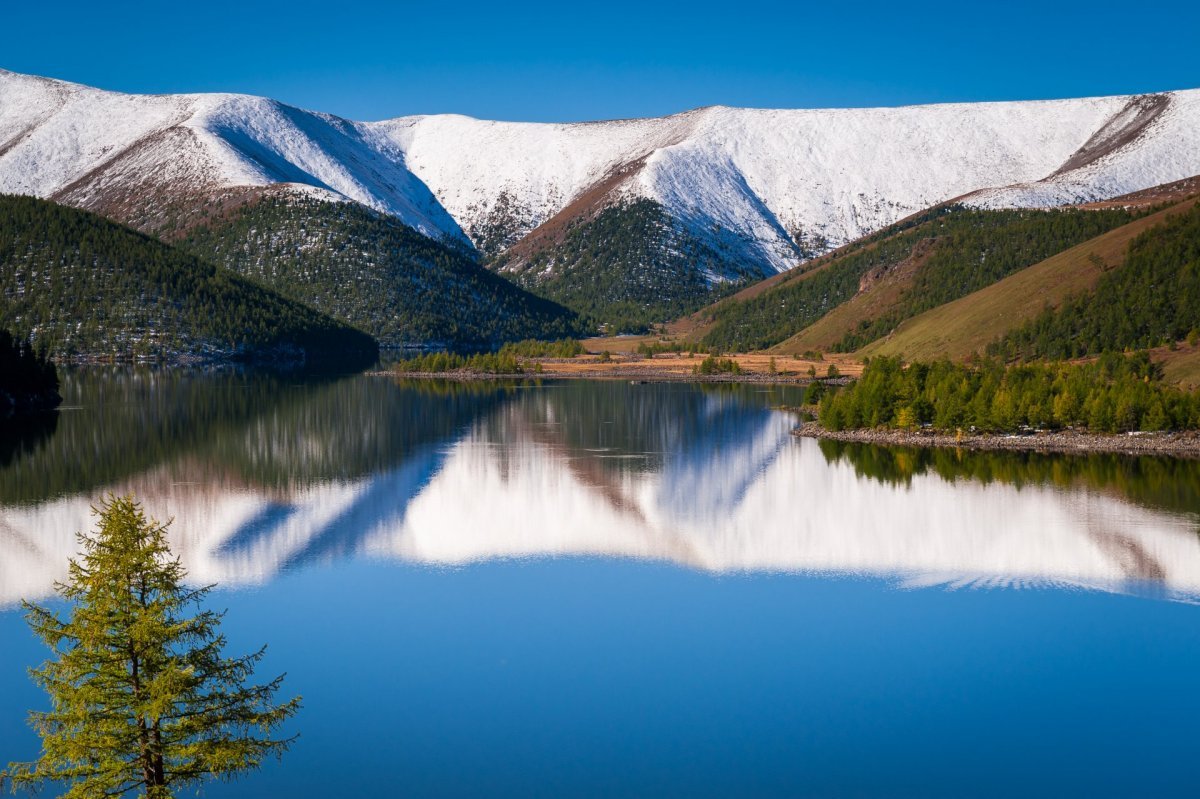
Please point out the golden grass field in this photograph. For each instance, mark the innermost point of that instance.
(626, 363)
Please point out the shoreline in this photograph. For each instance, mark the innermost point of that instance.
(632, 375)
(758, 368)
(1064, 442)
(620, 372)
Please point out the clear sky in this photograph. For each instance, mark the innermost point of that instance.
(622, 58)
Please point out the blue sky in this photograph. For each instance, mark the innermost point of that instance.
(564, 61)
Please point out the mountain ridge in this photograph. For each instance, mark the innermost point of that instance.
(764, 190)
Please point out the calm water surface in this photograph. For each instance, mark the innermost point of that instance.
(604, 589)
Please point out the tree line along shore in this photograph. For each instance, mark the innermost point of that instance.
(1115, 403)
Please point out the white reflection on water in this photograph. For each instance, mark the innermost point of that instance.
(759, 500)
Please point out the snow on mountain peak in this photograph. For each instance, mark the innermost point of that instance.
(751, 182)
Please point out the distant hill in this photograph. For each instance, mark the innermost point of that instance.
(370, 270)
(628, 267)
(967, 325)
(82, 286)
(863, 292)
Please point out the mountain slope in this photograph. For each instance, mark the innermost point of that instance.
(105, 151)
(861, 294)
(81, 285)
(1153, 299)
(770, 177)
(629, 266)
(951, 262)
(370, 271)
(764, 176)
(757, 190)
(959, 328)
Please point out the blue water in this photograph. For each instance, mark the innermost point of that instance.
(571, 674)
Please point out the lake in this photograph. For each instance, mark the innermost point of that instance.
(605, 589)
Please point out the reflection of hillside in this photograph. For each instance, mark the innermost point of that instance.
(119, 422)
(1169, 484)
(706, 446)
(21, 436)
(708, 480)
(348, 429)
(798, 514)
(282, 535)
(265, 430)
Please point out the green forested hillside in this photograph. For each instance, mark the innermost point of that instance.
(967, 250)
(990, 246)
(80, 285)
(1153, 299)
(628, 267)
(373, 272)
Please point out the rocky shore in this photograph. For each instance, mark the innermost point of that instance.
(1176, 444)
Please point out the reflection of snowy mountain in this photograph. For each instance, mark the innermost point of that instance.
(723, 487)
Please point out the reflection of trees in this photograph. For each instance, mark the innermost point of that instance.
(21, 437)
(348, 429)
(266, 429)
(1170, 484)
(131, 420)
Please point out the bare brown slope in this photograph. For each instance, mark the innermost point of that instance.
(1121, 130)
(877, 298)
(150, 186)
(1181, 365)
(967, 325)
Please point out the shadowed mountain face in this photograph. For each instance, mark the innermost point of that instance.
(264, 475)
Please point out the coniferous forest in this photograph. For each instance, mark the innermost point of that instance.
(1115, 393)
(81, 286)
(377, 274)
(1152, 300)
(627, 269)
(28, 379)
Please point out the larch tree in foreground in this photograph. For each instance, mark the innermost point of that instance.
(143, 700)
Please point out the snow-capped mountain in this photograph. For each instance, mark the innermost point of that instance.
(104, 151)
(764, 187)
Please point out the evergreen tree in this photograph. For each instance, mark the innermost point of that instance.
(1115, 393)
(143, 699)
(1152, 300)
